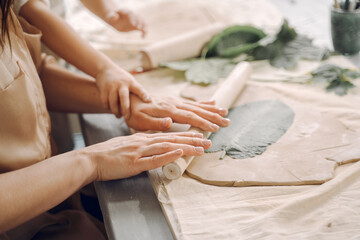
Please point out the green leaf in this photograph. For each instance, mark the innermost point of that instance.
(336, 78)
(340, 87)
(233, 41)
(287, 49)
(326, 73)
(351, 74)
(179, 65)
(208, 71)
(286, 33)
(256, 126)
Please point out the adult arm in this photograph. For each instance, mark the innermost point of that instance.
(28, 192)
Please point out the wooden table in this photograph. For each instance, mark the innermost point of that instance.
(129, 206)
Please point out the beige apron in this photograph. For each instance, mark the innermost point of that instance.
(24, 136)
(24, 120)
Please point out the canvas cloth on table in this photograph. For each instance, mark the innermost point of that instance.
(202, 211)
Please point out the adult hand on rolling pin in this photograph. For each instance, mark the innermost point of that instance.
(125, 21)
(127, 156)
(115, 85)
(161, 112)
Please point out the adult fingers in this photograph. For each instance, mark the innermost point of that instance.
(188, 117)
(139, 91)
(114, 102)
(210, 107)
(125, 102)
(174, 134)
(182, 140)
(164, 147)
(147, 122)
(212, 117)
(156, 161)
(142, 27)
(209, 102)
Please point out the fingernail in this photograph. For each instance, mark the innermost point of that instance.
(214, 127)
(147, 99)
(223, 110)
(198, 135)
(206, 143)
(225, 121)
(179, 151)
(166, 123)
(199, 149)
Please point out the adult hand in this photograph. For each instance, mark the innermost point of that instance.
(115, 85)
(127, 156)
(125, 21)
(162, 112)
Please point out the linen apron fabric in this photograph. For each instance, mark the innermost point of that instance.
(24, 135)
(24, 120)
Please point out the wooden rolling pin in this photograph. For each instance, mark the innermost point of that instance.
(224, 97)
(184, 46)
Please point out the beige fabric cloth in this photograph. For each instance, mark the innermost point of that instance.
(24, 120)
(300, 156)
(183, 46)
(328, 211)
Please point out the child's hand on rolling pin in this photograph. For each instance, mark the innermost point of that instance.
(125, 21)
(116, 85)
(161, 112)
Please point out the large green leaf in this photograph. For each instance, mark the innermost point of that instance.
(209, 71)
(203, 71)
(233, 41)
(254, 126)
(179, 65)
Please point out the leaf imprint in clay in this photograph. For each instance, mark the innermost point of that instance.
(254, 126)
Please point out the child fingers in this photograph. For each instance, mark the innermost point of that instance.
(114, 103)
(125, 102)
(139, 91)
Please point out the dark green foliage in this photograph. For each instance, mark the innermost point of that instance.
(233, 41)
(283, 50)
(286, 33)
(337, 78)
(287, 48)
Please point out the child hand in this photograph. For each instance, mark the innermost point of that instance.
(115, 85)
(125, 21)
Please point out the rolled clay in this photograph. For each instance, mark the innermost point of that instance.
(187, 45)
(224, 97)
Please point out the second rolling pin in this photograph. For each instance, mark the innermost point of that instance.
(224, 97)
